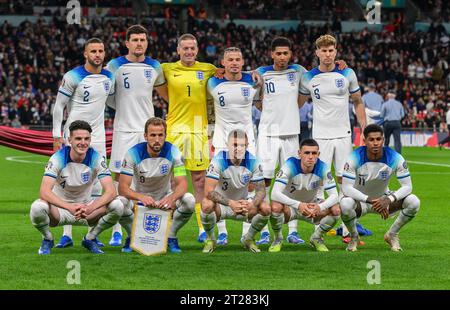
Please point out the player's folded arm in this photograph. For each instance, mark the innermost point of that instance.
(181, 186)
(332, 199)
(109, 192)
(46, 193)
(349, 190)
(405, 187)
(279, 196)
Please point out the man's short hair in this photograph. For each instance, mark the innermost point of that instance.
(281, 41)
(231, 49)
(79, 125)
(135, 29)
(186, 36)
(237, 134)
(155, 121)
(372, 128)
(92, 40)
(325, 40)
(308, 142)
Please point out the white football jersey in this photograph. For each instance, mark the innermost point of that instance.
(88, 93)
(151, 175)
(302, 186)
(279, 116)
(330, 95)
(74, 180)
(372, 178)
(233, 107)
(134, 91)
(234, 180)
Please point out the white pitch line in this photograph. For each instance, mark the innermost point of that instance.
(427, 164)
(17, 159)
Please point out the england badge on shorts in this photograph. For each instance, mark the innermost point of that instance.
(339, 83)
(200, 75)
(85, 176)
(148, 75)
(152, 222)
(106, 86)
(245, 91)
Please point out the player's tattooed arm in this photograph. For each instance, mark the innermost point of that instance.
(260, 190)
(218, 198)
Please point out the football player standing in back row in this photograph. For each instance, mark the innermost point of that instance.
(365, 185)
(187, 122)
(280, 123)
(330, 89)
(84, 92)
(136, 75)
(233, 99)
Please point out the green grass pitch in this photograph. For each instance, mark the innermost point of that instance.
(424, 263)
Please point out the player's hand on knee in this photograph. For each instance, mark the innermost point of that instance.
(148, 201)
(86, 211)
(313, 209)
(381, 205)
(75, 209)
(167, 203)
(236, 206)
(303, 208)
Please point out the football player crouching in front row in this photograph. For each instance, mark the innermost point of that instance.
(65, 193)
(294, 196)
(145, 176)
(365, 186)
(226, 191)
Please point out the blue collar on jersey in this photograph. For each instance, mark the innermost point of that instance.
(81, 72)
(226, 158)
(67, 159)
(387, 158)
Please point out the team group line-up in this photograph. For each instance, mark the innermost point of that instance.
(150, 156)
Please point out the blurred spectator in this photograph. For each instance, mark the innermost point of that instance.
(34, 56)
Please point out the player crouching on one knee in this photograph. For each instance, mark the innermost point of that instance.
(65, 194)
(149, 166)
(366, 178)
(226, 191)
(294, 196)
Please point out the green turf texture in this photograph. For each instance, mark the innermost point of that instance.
(424, 263)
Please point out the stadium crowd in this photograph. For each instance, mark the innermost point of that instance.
(33, 58)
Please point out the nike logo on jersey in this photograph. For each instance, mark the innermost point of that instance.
(86, 87)
(126, 73)
(142, 172)
(315, 85)
(268, 79)
(64, 176)
(198, 165)
(175, 75)
(221, 93)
